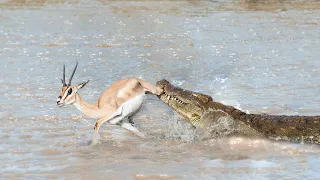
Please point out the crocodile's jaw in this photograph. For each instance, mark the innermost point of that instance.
(190, 105)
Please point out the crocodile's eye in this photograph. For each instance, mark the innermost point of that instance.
(69, 91)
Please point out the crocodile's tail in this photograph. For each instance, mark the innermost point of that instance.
(291, 128)
(279, 127)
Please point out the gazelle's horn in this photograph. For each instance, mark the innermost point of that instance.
(75, 68)
(63, 80)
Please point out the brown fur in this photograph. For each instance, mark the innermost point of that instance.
(124, 90)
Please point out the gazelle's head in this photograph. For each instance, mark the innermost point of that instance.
(68, 92)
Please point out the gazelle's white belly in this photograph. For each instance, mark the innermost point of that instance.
(131, 106)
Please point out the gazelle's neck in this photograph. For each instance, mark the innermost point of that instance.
(86, 108)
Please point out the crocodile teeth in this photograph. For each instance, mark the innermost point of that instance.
(168, 97)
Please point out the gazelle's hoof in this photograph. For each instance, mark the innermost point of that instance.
(95, 139)
(96, 127)
(141, 135)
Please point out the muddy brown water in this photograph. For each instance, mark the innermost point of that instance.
(259, 57)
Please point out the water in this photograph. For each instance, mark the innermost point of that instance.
(261, 58)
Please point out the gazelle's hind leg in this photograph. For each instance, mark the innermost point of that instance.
(130, 117)
(117, 120)
(120, 120)
(130, 108)
(130, 120)
(133, 129)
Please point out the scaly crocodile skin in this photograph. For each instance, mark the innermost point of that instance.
(193, 105)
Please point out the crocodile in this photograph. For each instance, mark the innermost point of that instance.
(203, 112)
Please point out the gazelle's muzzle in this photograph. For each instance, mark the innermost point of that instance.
(59, 103)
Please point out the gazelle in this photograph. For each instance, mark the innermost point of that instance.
(116, 105)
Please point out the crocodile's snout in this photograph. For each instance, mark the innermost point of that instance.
(186, 103)
(162, 84)
(176, 93)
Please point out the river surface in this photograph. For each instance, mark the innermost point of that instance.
(259, 57)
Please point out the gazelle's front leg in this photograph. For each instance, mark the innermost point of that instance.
(95, 138)
(106, 118)
(98, 124)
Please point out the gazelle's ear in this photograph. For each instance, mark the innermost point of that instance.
(81, 85)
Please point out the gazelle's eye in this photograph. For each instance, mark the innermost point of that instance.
(69, 91)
